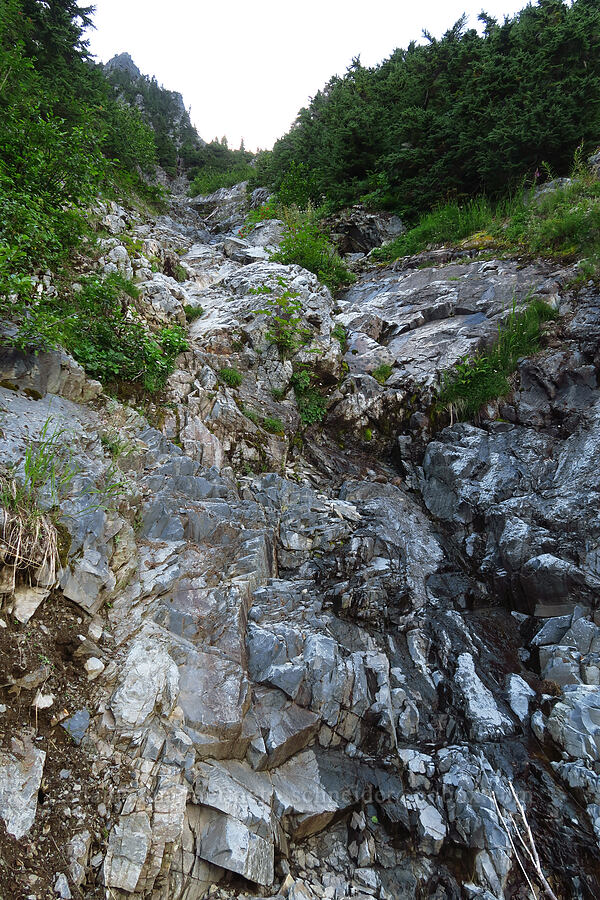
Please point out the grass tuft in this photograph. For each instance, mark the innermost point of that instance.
(477, 379)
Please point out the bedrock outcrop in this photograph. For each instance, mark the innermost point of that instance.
(305, 670)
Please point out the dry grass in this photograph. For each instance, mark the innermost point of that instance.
(28, 537)
(28, 534)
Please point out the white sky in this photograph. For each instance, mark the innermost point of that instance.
(245, 67)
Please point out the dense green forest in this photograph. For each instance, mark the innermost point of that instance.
(465, 115)
(64, 136)
(69, 133)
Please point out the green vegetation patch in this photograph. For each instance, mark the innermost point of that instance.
(304, 244)
(467, 114)
(103, 331)
(273, 425)
(284, 315)
(476, 379)
(208, 180)
(192, 312)
(312, 406)
(231, 377)
(447, 224)
(382, 373)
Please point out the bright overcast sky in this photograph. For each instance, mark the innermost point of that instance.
(245, 67)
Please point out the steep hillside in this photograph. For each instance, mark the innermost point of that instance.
(299, 550)
(245, 655)
(177, 141)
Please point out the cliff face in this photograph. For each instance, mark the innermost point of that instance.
(352, 659)
(162, 109)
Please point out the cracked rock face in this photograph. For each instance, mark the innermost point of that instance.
(316, 675)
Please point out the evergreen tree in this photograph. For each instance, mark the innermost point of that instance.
(465, 114)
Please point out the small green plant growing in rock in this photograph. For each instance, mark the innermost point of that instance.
(312, 406)
(277, 393)
(251, 414)
(192, 312)
(273, 425)
(476, 379)
(284, 313)
(116, 445)
(303, 243)
(340, 334)
(29, 538)
(268, 210)
(261, 289)
(179, 273)
(231, 376)
(382, 373)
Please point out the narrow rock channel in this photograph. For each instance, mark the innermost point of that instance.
(310, 662)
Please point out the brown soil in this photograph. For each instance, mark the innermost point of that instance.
(67, 802)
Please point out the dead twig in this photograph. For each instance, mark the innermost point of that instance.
(528, 850)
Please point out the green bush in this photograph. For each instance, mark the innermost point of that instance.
(303, 244)
(179, 273)
(231, 377)
(269, 210)
(475, 380)
(103, 332)
(284, 313)
(109, 340)
(192, 312)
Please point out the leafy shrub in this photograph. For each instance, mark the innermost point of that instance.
(284, 313)
(484, 376)
(103, 332)
(305, 245)
(382, 373)
(231, 377)
(268, 210)
(108, 339)
(298, 186)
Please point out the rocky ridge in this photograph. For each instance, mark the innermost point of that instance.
(308, 668)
